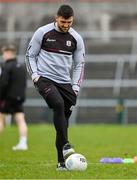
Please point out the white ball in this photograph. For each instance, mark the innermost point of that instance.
(76, 162)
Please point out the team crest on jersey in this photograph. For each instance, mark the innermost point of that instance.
(68, 43)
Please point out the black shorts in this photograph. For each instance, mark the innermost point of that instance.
(12, 106)
(45, 86)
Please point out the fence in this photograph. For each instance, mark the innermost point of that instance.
(116, 83)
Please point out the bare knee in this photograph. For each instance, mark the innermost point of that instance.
(19, 118)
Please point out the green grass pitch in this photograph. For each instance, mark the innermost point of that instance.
(93, 141)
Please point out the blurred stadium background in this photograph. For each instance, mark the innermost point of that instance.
(109, 29)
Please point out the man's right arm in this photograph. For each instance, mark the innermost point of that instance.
(32, 54)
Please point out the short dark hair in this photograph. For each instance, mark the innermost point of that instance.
(65, 11)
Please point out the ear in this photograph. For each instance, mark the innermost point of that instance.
(56, 18)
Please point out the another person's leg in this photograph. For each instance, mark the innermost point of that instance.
(2, 115)
(2, 121)
(16, 108)
(22, 127)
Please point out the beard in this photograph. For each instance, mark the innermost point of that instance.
(64, 30)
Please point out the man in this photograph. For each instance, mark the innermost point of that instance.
(12, 93)
(49, 58)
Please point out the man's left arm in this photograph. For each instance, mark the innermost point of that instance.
(78, 65)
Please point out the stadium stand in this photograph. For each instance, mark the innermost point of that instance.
(111, 63)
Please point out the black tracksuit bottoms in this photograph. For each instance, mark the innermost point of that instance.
(59, 97)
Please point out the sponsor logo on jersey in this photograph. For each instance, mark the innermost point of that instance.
(51, 40)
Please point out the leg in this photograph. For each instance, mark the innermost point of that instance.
(67, 115)
(21, 123)
(22, 127)
(59, 121)
(69, 100)
(56, 102)
(54, 98)
(2, 119)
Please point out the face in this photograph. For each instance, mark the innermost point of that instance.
(64, 24)
(6, 55)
